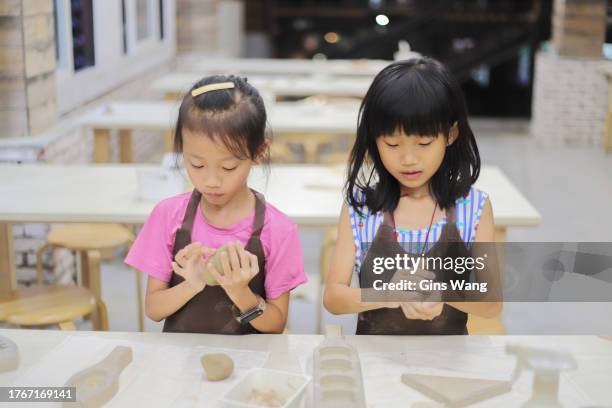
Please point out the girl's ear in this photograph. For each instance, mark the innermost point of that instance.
(262, 151)
(453, 134)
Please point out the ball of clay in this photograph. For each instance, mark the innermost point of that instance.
(216, 262)
(217, 366)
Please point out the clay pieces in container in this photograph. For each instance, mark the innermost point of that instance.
(337, 373)
(217, 366)
(216, 262)
(9, 355)
(99, 383)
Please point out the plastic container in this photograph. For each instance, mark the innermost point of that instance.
(264, 384)
(337, 373)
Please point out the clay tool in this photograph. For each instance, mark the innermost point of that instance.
(98, 384)
(9, 355)
(456, 391)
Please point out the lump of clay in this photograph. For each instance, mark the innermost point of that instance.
(216, 262)
(217, 366)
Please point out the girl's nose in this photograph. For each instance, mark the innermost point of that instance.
(212, 180)
(409, 158)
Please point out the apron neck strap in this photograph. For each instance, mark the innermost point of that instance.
(194, 201)
(192, 209)
(260, 210)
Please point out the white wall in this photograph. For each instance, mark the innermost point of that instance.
(112, 67)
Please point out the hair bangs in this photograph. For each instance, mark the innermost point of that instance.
(416, 108)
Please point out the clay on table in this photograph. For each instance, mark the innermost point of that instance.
(217, 366)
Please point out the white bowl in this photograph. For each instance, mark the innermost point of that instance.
(288, 386)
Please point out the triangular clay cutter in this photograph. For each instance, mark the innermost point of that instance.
(99, 383)
(9, 355)
(455, 391)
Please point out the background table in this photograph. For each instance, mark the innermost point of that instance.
(293, 353)
(271, 66)
(297, 118)
(175, 85)
(309, 194)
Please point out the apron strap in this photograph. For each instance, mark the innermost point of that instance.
(183, 234)
(260, 212)
(192, 209)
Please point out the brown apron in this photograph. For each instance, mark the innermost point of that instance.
(392, 321)
(210, 311)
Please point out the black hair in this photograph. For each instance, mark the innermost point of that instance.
(234, 116)
(418, 97)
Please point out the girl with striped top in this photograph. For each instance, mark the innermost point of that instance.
(409, 192)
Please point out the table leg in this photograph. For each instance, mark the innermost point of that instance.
(169, 134)
(125, 146)
(7, 261)
(311, 150)
(101, 145)
(608, 133)
(168, 141)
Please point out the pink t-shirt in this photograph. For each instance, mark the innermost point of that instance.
(152, 251)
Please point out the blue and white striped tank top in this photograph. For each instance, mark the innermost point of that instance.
(467, 215)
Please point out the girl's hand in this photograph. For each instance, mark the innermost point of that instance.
(420, 279)
(192, 249)
(190, 265)
(422, 310)
(239, 267)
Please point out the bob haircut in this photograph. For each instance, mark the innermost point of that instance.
(417, 97)
(236, 117)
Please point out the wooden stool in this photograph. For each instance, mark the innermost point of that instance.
(88, 240)
(43, 305)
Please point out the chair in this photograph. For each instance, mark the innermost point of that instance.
(45, 305)
(88, 241)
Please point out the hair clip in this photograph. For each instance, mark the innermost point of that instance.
(212, 87)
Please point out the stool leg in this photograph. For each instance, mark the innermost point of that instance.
(67, 325)
(102, 315)
(40, 274)
(90, 276)
(139, 300)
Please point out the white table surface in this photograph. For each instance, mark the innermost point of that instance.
(180, 83)
(275, 66)
(383, 359)
(284, 117)
(309, 194)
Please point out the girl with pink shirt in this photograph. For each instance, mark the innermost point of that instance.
(220, 133)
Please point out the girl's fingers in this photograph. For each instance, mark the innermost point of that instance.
(254, 264)
(190, 248)
(225, 264)
(178, 269)
(412, 312)
(245, 261)
(233, 257)
(425, 274)
(207, 252)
